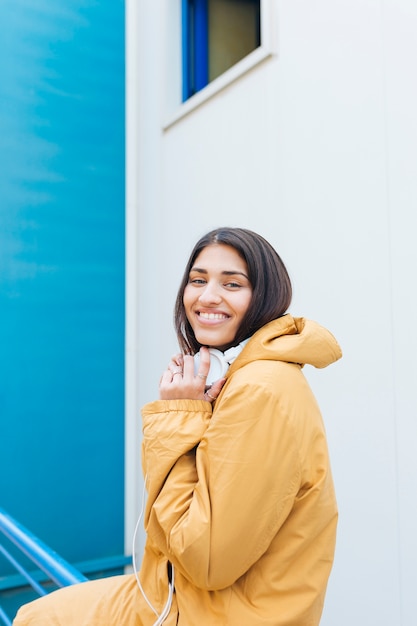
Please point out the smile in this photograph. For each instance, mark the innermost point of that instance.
(213, 316)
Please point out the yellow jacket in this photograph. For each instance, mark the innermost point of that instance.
(240, 497)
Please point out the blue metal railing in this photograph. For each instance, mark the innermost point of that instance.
(55, 567)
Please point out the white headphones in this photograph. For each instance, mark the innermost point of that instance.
(219, 361)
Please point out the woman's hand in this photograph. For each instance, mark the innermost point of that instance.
(180, 382)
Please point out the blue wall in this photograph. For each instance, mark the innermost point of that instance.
(62, 272)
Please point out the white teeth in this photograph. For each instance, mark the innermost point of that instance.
(213, 316)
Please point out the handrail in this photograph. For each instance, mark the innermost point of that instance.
(56, 568)
(5, 618)
(32, 582)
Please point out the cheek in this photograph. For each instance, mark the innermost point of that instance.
(186, 299)
(245, 306)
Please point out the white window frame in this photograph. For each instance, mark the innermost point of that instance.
(267, 49)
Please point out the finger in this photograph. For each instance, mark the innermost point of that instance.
(175, 368)
(204, 365)
(177, 360)
(188, 365)
(166, 377)
(202, 376)
(216, 388)
(210, 395)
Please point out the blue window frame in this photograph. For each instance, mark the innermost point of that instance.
(216, 34)
(194, 46)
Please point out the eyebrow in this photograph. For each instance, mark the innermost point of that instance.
(224, 273)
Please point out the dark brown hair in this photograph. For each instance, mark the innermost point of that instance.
(271, 285)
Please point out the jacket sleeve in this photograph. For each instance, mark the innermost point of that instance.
(222, 498)
(171, 428)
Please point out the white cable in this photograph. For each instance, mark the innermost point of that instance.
(167, 608)
(165, 611)
(135, 569)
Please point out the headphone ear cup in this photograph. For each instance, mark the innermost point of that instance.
(218, 365)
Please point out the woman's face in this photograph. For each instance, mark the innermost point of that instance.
(217, 295)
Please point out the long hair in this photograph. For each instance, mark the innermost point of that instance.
(268, 276)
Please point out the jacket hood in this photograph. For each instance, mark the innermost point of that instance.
(293, 340)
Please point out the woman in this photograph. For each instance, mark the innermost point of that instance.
(241, 513)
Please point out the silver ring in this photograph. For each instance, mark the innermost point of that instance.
(202, 376)
(210, 396)
(177, 372)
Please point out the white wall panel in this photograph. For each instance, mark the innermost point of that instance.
(315, 148)
(400, 29)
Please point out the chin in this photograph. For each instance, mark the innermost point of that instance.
(220, 344)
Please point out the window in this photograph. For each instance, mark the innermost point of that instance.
(216, 34)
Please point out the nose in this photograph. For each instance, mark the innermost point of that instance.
(210, 294)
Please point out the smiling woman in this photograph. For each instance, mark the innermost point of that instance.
(241, 513)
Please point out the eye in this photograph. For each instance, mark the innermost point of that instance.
(196, 281)
(233, 285)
